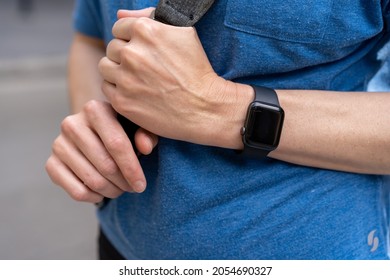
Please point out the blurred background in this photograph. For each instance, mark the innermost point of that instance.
(37, 219)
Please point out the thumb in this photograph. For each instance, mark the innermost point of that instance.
(145, 141)
(135, 13)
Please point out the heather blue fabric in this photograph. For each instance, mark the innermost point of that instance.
(210, 203)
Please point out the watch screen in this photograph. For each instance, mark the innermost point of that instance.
(265, 126)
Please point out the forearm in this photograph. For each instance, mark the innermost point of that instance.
(84, 80)
(181, 97)
(346, 131)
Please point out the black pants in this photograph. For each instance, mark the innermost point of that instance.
(106, 250)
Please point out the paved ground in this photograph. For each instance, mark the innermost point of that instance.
(37, 219)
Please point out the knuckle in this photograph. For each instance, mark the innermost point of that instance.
(114, 193)
(146, 28)
(124, 53)
(104, 87)
(50, 168)
(120, 103)
(142, 24)
(92, 110)
(117, 24)
(68, 125)
(127, 54)
(110, 45)
(95, 183)
(108, 167)
(113, 196)
(80, 194)
(133, 171)
(57, 147)
(97, 199)
(101, 65)
(92, 107)
(48, 165)
(116, 144)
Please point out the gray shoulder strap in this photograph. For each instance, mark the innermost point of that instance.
(181, 12)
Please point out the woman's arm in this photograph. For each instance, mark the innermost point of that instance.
(172, 90)
(347, 131)
(93, 158)
(84, 81)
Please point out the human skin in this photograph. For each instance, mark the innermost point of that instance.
(171, 90)
(93, 158)
(179, 96)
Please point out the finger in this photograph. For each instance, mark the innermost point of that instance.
(109, 91)
(145, 141)
(109, 70)
(121, 29)
(83, 169)
(64, 177)
(93, 149)
(119, 147)
(114, 50)
(124, 27)
(135, 13)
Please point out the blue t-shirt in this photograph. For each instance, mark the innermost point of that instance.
(211, 203)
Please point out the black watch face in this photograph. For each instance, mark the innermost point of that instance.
(264, 126)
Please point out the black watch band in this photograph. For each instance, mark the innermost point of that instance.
(254, 153)
(266, 100)
(266, 95)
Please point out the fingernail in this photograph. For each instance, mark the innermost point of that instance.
(139, 186)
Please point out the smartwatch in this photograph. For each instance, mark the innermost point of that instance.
(263, 125)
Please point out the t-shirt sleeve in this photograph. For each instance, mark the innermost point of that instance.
(87, 18)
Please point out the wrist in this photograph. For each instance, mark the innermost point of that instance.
(232, 112)
(263, 125)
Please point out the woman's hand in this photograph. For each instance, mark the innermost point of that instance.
(93, 158)
(159, 77)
